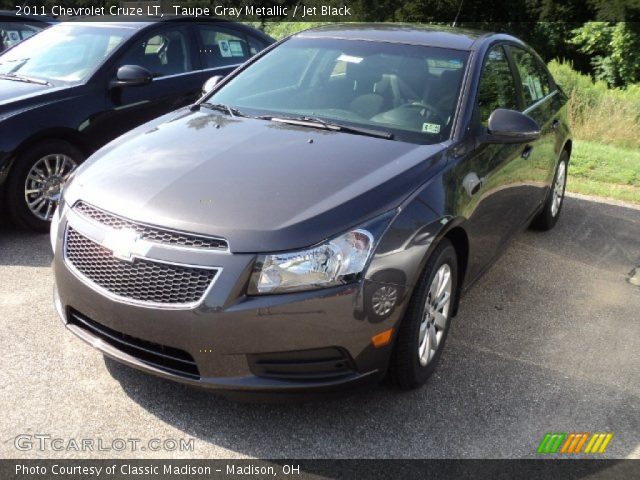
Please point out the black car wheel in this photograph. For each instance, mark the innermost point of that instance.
(36, 182)
(424, 329)
(548, 216)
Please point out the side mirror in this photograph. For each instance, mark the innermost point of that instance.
(132, 76)
(212, 82)
(510, 126)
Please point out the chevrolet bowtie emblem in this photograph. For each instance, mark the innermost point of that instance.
(125, 244)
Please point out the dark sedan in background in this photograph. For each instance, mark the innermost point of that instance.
(312, 222)
(15, 28)
(72, 88)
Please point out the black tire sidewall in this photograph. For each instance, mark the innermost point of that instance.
(406, 369)
(545, 220)
(18, 208)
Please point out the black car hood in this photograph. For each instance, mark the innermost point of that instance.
(16, 96)
(13, 89)
(264, 186)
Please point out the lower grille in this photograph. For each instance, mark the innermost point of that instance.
(169, 359)
(142, 280)
(317, 364)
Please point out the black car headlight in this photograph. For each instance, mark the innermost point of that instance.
(333, 262)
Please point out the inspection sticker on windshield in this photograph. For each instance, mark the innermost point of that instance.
(431, 127)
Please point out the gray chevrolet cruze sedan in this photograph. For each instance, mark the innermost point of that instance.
(313, 220)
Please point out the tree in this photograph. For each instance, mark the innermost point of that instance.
(613, 48)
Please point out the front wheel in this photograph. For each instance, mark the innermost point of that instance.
(424, 329)
(36, 182)
(548, 216)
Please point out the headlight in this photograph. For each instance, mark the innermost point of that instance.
(55, 223)
(330, 263)
(55, 220)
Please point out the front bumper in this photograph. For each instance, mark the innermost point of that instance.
(227, 329)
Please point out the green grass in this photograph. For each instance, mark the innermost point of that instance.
(605, 171)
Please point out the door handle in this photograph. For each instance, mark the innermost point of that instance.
(555, 124)
(526, 152)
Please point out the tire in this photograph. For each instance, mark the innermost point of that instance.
(548, 216)
(407, 368)
(63, 158)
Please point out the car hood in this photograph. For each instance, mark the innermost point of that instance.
(264, 186)
(18, 96)
(11, 90)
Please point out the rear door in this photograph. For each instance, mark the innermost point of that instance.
(169, 53)
(538, 94)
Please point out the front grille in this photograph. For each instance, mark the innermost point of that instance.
(169, 359)
(316, 364)
(140, 280)
(148, 232)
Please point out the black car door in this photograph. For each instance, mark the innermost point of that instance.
(223, 48)
(538, 94)
(490, 196)
(169, 54)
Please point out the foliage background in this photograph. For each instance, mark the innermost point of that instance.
(592, 48)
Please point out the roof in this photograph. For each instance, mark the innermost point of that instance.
(10, 15)
(428, 35)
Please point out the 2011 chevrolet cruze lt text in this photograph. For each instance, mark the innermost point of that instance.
(313, 220)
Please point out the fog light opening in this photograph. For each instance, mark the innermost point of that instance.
(382, 338)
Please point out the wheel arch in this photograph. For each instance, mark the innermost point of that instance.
(458, 237)
(61, 134)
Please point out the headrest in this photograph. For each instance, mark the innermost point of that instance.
(369, 70)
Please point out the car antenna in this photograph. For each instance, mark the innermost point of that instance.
(455, 20)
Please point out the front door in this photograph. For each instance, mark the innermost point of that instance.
(168, 54)
(491, 197)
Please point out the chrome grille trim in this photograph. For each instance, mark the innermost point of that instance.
(79, 267)
(151, 233)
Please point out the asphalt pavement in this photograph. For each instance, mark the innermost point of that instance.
(547, 341)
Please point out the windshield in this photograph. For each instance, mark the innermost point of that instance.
(406, 90)
(65, 53)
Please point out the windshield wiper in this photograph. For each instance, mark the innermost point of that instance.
(22, 78)
(221, 107)
(337, 127)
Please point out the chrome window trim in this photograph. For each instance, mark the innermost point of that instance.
(128, 301)
(535, 105)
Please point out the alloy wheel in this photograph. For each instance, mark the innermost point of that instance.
(558, 188)
(44, 183)
(436, 315)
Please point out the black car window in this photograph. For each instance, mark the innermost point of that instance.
(222, 47)
(67, 52)
(162, 53)
(535, 81)
(13, 32)
(497, 87)
(255, 45)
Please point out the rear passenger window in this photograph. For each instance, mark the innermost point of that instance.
(535, 81)
(221, 47)
(497, 87)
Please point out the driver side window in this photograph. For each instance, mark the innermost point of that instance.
(497, 87)
(162, 53)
